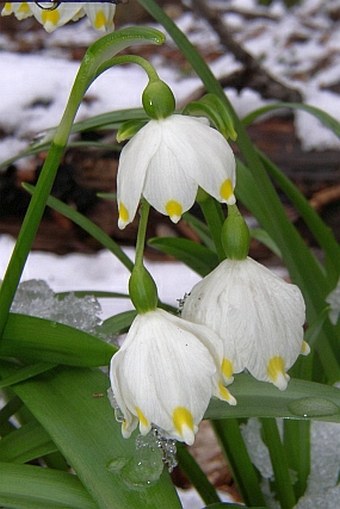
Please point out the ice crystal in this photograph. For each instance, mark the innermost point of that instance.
(36, 298)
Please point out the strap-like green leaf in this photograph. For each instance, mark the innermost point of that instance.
(301, 400)
(36, 339)
(199, 258)
(31, 487)
(25, 444)
(324, 117)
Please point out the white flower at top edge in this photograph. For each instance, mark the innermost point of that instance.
(258, 316)
(165, 374)
(100, 15)
(166, 162)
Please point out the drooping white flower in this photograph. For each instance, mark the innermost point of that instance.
(258, 315)
(100, 15)
(166, 162)
(165, 374)
(21, 10)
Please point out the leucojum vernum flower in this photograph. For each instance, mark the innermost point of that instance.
(100, 14)
(168, 369)
(167, 160)
(165, 373)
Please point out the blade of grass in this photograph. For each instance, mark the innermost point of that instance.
(28, 443)
(31, 487)
(282, 479)
(296, 441)
(91, 228)
(43, 340)
(196, 476)
(244, 472)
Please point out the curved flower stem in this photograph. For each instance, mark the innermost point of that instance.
(142, 62)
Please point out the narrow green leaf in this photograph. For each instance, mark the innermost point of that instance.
(36, 339)
(72, 406)
(233, 445)
(199, 258)
(296, 440)
(25, 444)
(25, 373)
(301, 400)
(324, 117)
(321, 232)
(282, 479)
(95, 231)
(31, 487)
(118, 324)
(94, 293)
(196, 476)
(111, 120)
(201, 229)
(265, 239)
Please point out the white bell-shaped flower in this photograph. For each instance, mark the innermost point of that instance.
(165, 374)
(258, 316)
(21, 10)
(51, 19)
(166, 162)
(100, 14)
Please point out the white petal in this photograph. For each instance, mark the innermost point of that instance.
(133, 164)
(101, 15)
(167, 187)
(52, 19)
(209, 158)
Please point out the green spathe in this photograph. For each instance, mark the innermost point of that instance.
(235, 235)
(158, 100)
(143, 290)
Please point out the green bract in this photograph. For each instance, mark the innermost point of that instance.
(235, 235)
(158, 100)
(142, 289)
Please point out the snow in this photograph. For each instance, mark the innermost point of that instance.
(101, 272)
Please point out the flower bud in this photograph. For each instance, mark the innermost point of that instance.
(142, 290)
(235, 235)
(158, 100)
